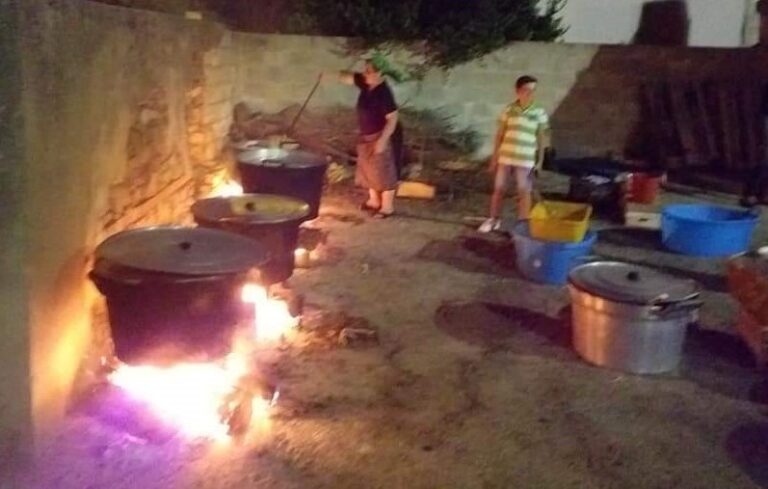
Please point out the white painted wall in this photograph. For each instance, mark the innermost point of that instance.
(713, 23)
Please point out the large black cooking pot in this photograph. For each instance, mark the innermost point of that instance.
(271, 220)
(291, 173)
(173, 294)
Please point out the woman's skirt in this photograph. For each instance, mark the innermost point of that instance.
(375, 171)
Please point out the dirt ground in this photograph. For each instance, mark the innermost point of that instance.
(472, 384)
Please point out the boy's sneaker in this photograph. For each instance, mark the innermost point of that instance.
(489, 225)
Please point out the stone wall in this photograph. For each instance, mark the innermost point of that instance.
(15, 413)
(591, 91)
(211, 156)
(107, 125)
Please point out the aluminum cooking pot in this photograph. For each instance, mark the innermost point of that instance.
(630, 318)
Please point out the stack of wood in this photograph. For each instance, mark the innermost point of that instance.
(712, 124)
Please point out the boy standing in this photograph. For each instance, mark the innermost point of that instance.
(518, 148)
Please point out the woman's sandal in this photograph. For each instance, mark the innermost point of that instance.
(367, 208)
(383, 215)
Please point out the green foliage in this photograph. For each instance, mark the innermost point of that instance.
(453, 31)
(439, 123)
(446, 32)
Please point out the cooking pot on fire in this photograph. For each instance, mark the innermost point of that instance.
(173, 293)
(292, 173)
(630, 318)
(271, 220)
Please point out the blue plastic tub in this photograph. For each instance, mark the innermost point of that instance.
(707, 230)
(548, 262)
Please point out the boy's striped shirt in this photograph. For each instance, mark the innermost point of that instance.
(520, 126)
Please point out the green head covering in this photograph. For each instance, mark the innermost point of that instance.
(383, 66)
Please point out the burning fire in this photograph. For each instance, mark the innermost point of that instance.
(223, 186)
(189, 396)
(202, 399)
(273, 320)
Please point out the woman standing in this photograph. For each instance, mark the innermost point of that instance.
(377, 149)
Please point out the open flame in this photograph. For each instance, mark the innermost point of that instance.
(198, 398)
(272, 319)
(223, 186)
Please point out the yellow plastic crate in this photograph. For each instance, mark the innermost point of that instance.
(560, 221)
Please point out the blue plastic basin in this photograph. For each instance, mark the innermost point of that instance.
(548, 262)
(707, 230)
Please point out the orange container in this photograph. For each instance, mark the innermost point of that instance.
(644, 187)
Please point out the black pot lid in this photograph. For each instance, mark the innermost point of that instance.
(251, 209)
(181, 250)
(623, 282)
(280, 158)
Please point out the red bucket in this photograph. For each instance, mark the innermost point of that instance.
(644, 187)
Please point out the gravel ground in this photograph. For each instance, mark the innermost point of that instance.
(472, 383)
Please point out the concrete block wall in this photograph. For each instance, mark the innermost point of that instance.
(591, 91)
(98, 104)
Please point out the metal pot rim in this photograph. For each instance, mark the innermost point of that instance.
(182, 250)
(280, 158)
(299, 213)
(689, 291)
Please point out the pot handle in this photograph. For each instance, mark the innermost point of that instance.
(688, 304)
(273, 163)
(103, 284)
(588, 258)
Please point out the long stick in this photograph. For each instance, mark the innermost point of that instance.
(311, 93)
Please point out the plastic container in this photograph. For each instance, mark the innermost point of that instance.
(560, 221)
(644, 187)
(707, 230)
(548, 262)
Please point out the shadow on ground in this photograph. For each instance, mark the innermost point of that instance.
(720, 362)
(715, 361)
(491, 256)
(747, 446)
(498, 326)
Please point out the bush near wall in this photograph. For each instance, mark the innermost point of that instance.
(446, 32)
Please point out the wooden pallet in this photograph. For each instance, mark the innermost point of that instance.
(703, 123)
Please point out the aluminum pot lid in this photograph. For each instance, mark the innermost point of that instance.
(181, 250)
(251, 209)
(623, 282)
(280, 158)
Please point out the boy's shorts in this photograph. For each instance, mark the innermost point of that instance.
(523, 178)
